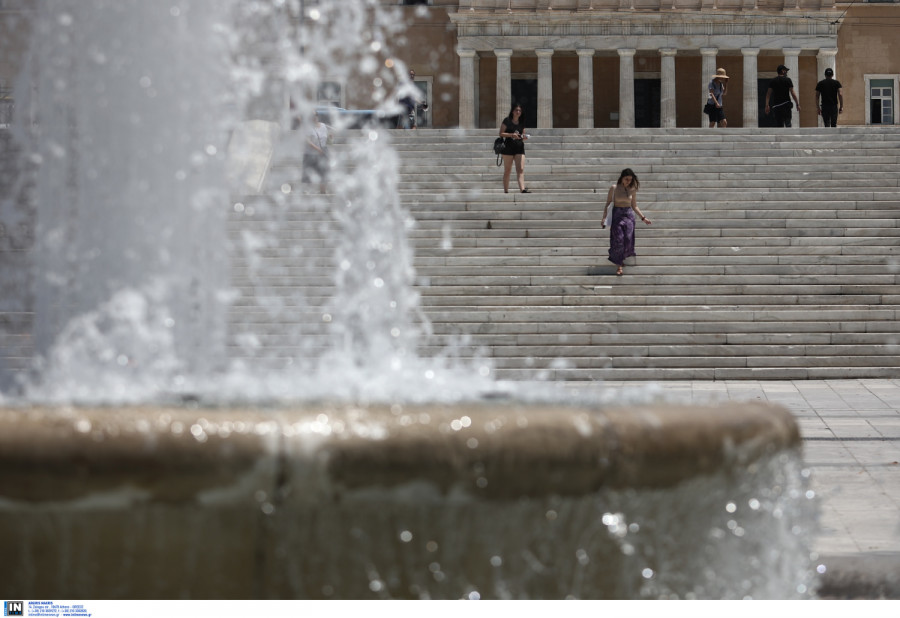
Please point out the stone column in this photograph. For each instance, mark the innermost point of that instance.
(626, 88)
(825, 59)
(792, 62)
(545, 88)
(751, 92)
(585, 88)
(504, 84)
(467, 59)
(667, 89)
(709, 69)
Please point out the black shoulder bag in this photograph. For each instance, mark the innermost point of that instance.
(498, 148)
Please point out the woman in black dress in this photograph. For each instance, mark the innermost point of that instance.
(513, 130)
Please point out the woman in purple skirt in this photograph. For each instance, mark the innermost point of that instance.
(621, 226)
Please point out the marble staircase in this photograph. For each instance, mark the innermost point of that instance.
(773, 254)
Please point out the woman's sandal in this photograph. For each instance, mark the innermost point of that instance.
(619, 271)
(526, 190)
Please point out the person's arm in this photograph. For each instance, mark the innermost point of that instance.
(309, 140)
(818, 103)
(609, 198)
(841, 100)
(635, 208)
(768, 96)
(796, 100)
(504, 133)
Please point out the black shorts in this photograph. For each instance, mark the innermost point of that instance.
(716, 114)
(513, 147)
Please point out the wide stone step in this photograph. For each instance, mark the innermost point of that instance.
(663, 164)
(634, 277)
(611, 287)
(738, 228)
(581, 298)
(667, 162)
(555, 373)
(737, 138)
(642, 338)
(671, 245)
(707, 213)
(663, 329)
(677, 356)
(787, 253)
(857, 273)
(664, 314)
(577, 259)
(419, 193)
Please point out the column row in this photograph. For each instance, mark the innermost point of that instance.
(468, 75)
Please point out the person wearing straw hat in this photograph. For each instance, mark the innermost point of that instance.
(715, 106)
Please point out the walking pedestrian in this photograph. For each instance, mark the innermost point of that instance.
(829, 99)
(621, 227)
(780, 93)
(409, 119)
(718, 84)
(512, 129)
(316, 161)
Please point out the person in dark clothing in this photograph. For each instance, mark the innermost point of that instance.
(779, 94)
(512, 130)
(409, 119)
(829, 99)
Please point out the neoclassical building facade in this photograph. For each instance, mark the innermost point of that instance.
(646, 63)
(608, 63)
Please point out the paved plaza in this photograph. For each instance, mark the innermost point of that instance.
(851, 441)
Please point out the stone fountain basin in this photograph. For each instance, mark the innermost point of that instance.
(493, 500)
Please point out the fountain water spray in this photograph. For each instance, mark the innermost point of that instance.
(128, 256)
(134, 111)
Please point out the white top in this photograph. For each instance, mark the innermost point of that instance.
(318, 135)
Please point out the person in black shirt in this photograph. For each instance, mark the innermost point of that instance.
(829, 93)
(512, 130)
(780, 92)
(411, 106)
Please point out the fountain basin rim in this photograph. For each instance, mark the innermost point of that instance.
(489, 451)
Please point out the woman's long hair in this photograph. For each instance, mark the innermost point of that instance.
(634, 179)
(512, 109)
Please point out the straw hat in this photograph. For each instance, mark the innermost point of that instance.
(720, 73)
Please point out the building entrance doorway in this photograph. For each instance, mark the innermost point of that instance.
(524, 92)
(647, 93)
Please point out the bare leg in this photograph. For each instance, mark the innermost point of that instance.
(507, 168)
(520, 171)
